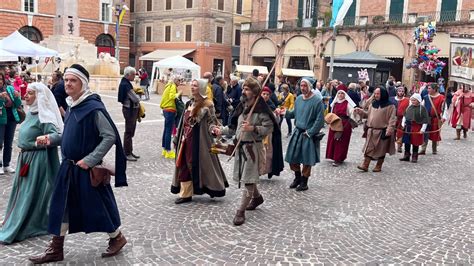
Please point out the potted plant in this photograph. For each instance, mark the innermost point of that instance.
(378, 19)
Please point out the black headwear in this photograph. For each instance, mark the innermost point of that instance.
(255, 73)
(384, 99)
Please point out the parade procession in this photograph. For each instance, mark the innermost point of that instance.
(292, 132)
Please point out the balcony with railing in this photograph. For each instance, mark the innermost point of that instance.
(461, 16)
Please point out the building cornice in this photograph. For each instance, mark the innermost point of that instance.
(26, 13)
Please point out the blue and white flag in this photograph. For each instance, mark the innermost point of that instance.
(339, 11)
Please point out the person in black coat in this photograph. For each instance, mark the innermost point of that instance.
(59, 92)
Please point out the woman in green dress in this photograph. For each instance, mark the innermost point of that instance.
(38, 163)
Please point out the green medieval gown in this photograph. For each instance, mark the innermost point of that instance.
(27, 210)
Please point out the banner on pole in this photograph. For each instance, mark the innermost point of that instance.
(339, 11)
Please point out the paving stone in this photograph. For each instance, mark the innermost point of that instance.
(407, 214)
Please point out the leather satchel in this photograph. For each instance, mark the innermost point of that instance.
(101, 174)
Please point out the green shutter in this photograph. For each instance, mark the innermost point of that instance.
(448, 10)
(396, 10)
(273, 14)
(350, 16)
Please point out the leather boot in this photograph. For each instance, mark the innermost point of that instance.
(406, 157)
(365, 165)
(423, 149)
(399, 147)
(254, 203)
(458, 134)
(296, 181)
(435, 147)
(414, 157)
(115, 245)
(303, 184)
(54, 252)
(378, 166)
(464, 133)
(239, 218)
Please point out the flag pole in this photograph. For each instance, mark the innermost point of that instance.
(333, 48)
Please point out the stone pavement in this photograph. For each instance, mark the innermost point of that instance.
(409, 213)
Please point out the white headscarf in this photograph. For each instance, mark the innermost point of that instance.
(45, 105)
(85, 87)
(316, 92)
(346, 98)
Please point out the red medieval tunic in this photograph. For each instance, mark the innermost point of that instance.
(462, 109)
(402, 106)
(184, 168)
(337, 149)
(435, 116)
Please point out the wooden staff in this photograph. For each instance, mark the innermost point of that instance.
(278, 57)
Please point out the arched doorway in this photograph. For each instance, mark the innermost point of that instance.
(31, 33)
(391, 47)
(299, 53)
(105, 44)
(263, 53)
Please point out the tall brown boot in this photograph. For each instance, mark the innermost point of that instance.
(435, 147)
(115, 245)
(458, 134)
(423, 148)
(378, 166)
(365, 164)
(54, 252)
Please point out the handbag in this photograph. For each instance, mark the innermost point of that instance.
(21, 114)
(101, 174)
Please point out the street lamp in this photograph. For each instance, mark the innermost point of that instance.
(118, 9)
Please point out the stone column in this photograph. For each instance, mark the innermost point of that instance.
(66, 18)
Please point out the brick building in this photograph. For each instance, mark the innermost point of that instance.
(383, 27)
(93, 20)
(204, 31)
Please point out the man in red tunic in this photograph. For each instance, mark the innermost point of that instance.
(402, 104)
(463, 103)
(434, 104)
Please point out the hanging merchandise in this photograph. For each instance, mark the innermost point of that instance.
(427, 54)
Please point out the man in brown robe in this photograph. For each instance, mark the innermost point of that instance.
(381, 121)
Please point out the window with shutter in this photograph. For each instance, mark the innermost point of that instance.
(167, 33)
(148, 34)
(131, 35)
(273, 14)
(396, 11)
(189, 31)
(219, 32)
(237, 38)
(238, 10)
(132, 6)
(149, 5)
(189, 3)
(448, 10)
(350, 16)
(220, 4)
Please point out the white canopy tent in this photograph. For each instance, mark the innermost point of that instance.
(179, 65)
(6, 56)
(248, 69)
(19, 45)
(297, 72)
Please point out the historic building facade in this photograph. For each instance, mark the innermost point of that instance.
(93, 20)
(204, 31)
(383, 27)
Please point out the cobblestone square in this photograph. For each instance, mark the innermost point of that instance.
(408, 213)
